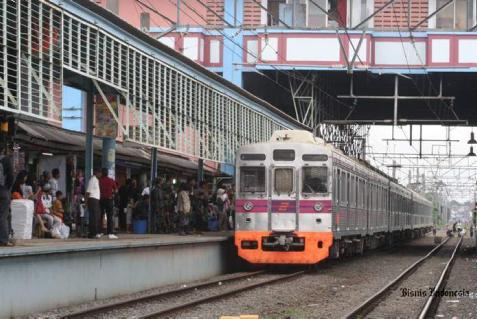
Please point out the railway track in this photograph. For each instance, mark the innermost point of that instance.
(431, 301)
(167, 302)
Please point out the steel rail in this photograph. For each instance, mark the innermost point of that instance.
(366, 305)
(130, 301)
(431, 301)
(222, 295)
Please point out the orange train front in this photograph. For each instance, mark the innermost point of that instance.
(300, 201)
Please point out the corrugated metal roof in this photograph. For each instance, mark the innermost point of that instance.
(197, 67)
(75, 141)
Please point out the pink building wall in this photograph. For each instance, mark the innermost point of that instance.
(130, 10)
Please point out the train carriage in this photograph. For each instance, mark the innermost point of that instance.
(300, 200)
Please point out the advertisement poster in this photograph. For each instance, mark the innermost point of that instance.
(105, 124)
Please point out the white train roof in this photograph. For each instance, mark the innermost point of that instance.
(295, 136)
(302, 136)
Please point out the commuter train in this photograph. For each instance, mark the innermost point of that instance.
(300, 201)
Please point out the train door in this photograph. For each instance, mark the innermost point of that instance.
(283, 215)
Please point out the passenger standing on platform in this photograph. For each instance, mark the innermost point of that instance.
(92, 199)
(223, 205)
(54, 180)
(108, 188)
(141, 209)
(6, 181)
(134, 191)
(157, 205)
(193, 221)
(202, 194)
(231, 210)
(169, 199)
(184, 209)
(123, 195)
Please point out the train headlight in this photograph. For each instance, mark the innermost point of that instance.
(318, 207)
(248, 206)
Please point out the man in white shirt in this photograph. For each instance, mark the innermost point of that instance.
(54, 180)
(94, 209)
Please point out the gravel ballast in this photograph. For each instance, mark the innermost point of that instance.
(408, 298)
(463, 278)
(330, 291)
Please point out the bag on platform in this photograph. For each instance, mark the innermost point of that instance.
(60, 231)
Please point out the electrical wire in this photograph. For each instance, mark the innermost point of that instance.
(253, 55)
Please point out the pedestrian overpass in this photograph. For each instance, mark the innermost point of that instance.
(166, 101)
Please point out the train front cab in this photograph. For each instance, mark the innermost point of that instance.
(283, 206)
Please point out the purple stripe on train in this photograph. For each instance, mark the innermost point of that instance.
(283, 206)
(251, 206)
(315, 206)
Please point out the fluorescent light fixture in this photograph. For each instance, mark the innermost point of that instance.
(47, 154)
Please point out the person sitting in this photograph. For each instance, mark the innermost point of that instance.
(43, 209)
(17, 192)
(57, 209)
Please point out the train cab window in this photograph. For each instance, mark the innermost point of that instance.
(252, 157)
(252, 179)
(284, 155)
(315, 180)
(314, 157)
(283, 180)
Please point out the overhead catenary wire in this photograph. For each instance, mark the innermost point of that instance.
(255, 56)
(271, 15)
(409, 66)
(156, 12)
(235, 53)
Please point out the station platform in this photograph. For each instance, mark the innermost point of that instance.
(58, 246)
(79, 270)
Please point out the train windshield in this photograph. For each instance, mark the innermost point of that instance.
(283, 180)
(252, 179)
(315, 180)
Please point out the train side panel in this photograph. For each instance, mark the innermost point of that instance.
(300, 201)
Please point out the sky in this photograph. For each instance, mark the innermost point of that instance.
(72, 99)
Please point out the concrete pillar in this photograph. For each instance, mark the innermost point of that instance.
(150, 218)
(200, 171)
(233, 42)
(88, 165)
(109, 156)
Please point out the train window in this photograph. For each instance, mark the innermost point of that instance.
(344, 188)
(283, 155)
(315, 157)
(363, 193)
(252, 179)
(252, 157)
(337, 185)
(283, 180)
(352, 191)
(315, 180)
